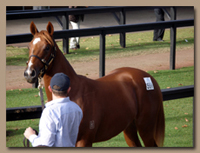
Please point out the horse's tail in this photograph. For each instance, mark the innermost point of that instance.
(160, 127)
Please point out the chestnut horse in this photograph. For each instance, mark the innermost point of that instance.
(127, 99)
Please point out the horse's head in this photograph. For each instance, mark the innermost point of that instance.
(41, 52)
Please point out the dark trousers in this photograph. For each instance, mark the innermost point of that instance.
(159, 33)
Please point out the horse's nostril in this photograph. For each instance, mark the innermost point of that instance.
(30, 75)
(25, 73)
(33, 73)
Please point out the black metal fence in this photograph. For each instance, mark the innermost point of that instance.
(33, 112)
(65, 34)
(102, 31)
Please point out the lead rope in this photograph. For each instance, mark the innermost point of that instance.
(40, 86)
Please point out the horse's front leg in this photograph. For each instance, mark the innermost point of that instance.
(83, 143)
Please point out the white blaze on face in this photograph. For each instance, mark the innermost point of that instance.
(30, 63)
(36, 40)
(29, 67)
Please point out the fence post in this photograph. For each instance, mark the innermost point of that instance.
(173, 40)
(102, 55)
(122, 21)
(65, 21)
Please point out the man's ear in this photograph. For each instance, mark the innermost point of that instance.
(68, 90)
(49, 87)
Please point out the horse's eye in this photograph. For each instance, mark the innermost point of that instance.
(26, 62)
(47, 48)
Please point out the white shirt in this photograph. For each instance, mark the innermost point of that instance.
(59, 124)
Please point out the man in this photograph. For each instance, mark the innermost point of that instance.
(159, 33)
(75, 21)
(60, 120)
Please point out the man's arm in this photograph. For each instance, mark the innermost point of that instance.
(47, 132)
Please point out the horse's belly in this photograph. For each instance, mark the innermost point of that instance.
(110, 130)
(119, 109)
(114, 122)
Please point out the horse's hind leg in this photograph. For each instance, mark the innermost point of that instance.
(131, 137)
(146, 131)
(148, 139)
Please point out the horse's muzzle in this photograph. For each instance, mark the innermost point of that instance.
(30, 75)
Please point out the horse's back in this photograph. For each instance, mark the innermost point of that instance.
(143, 84)
(142, 89)
(138, 77)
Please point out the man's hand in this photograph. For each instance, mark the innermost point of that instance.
(28, 132)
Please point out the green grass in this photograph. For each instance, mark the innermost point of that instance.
(178, 126)
(23, 97)
(178, 113)
(15, 130)
(136, 43)
(174, 78)
(179, 123)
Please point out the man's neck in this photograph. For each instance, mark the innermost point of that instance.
(57, 97)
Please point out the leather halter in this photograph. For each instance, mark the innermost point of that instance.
(46, 63)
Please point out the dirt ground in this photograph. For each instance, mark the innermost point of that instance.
(158, 61)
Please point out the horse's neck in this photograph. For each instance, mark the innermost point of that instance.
(60, 64)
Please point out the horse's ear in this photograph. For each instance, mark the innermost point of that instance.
(50, 28)
(33, 28)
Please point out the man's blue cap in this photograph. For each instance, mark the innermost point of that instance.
(60, 82)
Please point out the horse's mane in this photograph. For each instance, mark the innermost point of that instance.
(44, 34)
